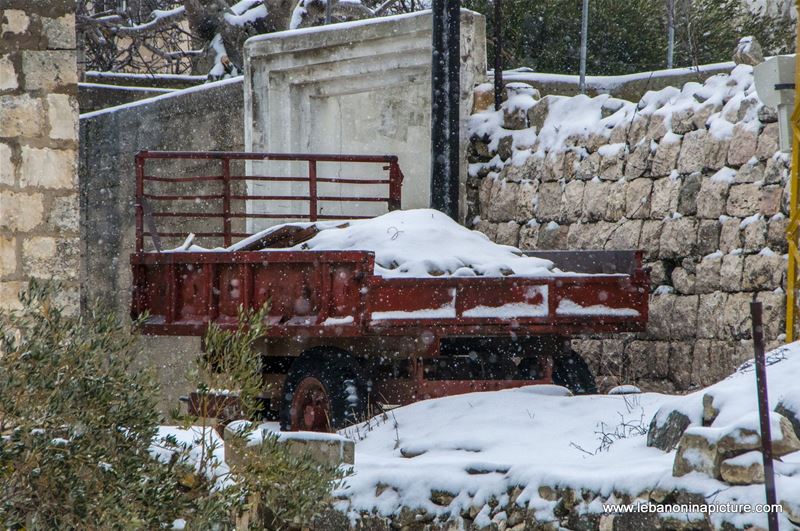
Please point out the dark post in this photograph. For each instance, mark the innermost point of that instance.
(446, 88)
(498, 54)
(763, 411)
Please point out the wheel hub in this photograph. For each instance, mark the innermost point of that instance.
(310, 406)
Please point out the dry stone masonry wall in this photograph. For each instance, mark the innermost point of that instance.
(690, 175)
(38, 147)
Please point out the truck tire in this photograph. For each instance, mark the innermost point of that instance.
(571, 371)
(323, 392)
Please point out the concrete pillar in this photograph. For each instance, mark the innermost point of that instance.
(38, 148)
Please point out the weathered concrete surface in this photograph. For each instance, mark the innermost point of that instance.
(363, 89)
(209, 118)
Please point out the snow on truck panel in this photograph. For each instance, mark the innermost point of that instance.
(568, 307)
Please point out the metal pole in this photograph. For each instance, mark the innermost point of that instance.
(498, 54)
(670, 31)
(328, 9)
(584, 39)
(446, 88)
(763, 412)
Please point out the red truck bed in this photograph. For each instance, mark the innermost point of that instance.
(335, 293)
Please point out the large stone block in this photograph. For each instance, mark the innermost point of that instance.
(771, 200)
(754, 234)
(8, 75)
(767, 142)
(762, 272)
(16, 21)
(683, 281)
(683, 321)
(8, 255)
(687, 196)
(730, 273)
(589, 167)
(637, 198)
(60, 32)
(62, 113)
(716, 152)
(711, 361)
(678, 238)
(664, 200)
(711, 199)
(657, 127)
(529, 236)
(612, 161)
(743, 144)
(615, 208)
(776, 171)
(710, 324)
(666, 157)
(736, 316)
(549, 204)
(647, 359)
(526, 200)
(50, 71)
(6, 166)
(692, 156)
(553, 166)
(730, 236)
(639, 160)
(573, 201)
(553, 236)
(638, 129)
(650, 239)
(595, 199)
(63, 214)
(776, 234)
(48, 168)
(9, 294)
(774, 305)
(503, 204)
(625, 235)
(707, 236)
(696, 453)
(507, 233)
(708, 273)
(750, 173)
(20, 211)
(743, 200)
(661, 313)
(22, 116)
(680, 364)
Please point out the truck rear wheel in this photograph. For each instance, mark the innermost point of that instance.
(323, 392)
(571, 371)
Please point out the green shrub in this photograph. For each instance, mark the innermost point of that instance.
(79, 424)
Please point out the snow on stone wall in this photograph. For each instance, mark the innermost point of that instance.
(691, 175)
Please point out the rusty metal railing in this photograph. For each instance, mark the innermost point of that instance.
(226, 198)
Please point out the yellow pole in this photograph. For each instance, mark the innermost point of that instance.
(794, 214)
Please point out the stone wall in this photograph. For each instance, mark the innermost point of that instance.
(208, 119)
(691, 176)
(38, 148)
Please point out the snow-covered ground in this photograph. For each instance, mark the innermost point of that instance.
(479, 446)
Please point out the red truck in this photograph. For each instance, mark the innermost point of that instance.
(342, 339)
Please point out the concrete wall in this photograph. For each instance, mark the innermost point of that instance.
(205, 118)
(362, 88)
(708, 208)
(38, 148)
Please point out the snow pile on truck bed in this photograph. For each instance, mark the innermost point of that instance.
(420, 243)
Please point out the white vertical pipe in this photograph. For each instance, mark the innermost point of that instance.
(584, 39)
